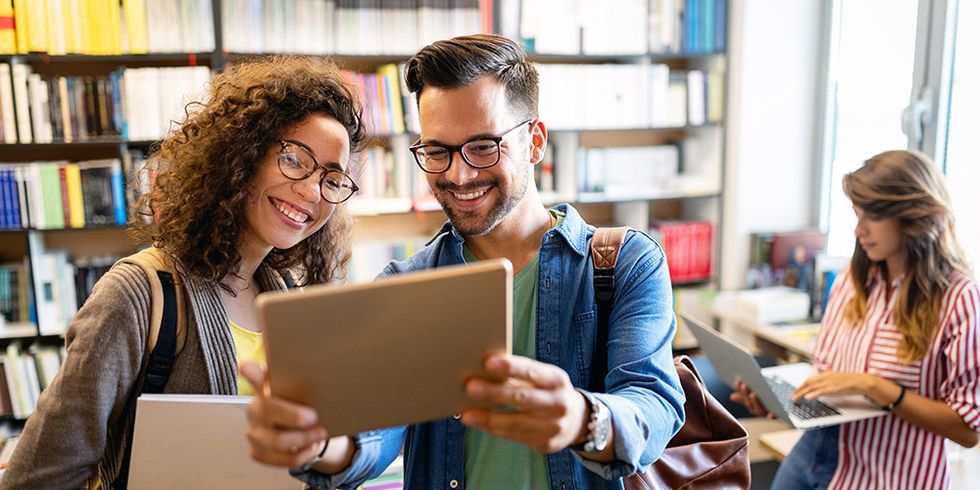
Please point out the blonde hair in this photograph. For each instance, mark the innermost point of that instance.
(908, 186)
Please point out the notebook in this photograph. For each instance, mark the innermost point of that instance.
(390, 352)
(198, 441)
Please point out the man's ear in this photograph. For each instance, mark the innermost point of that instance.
(539, 141)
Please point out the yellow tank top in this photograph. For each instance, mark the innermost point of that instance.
(248, 347)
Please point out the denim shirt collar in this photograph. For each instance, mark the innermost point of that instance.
(573, 229)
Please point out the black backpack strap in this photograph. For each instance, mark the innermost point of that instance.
(165, 351)
(606, 243)
(159, 365)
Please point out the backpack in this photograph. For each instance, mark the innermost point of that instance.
(164, 340)
(712, 449)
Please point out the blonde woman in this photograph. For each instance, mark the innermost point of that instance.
(900, 329)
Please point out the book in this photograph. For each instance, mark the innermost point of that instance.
(51, 195)
(8, 121)
(772, 305)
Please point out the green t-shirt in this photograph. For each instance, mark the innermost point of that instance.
(492, 462)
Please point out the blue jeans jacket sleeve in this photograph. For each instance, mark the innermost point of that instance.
(373, 452)
(643, 392)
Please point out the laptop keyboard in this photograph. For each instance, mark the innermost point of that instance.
(802, 408)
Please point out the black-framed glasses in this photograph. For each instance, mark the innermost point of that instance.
(296, 162)
(481, 152)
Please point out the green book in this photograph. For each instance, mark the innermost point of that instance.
(54, 211)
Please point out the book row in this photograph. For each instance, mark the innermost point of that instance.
(633, 27)
(106, 27)
(358, 27)
(134, 104)
(629, 96)
(24, 373)
(688, 247)
(54, 195)
(394, 27)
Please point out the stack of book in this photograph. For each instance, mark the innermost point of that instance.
(106, 27)
(633, 27)
(134, 104)
(348, 26)
(24, 373)
(688, 246)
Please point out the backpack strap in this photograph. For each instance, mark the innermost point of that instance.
(605, 246)
(165, 339)
(165, 285)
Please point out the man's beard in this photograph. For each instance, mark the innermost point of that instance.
(472, 223)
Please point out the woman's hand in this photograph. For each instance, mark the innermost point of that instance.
(281, 433)
(836, 383)
(744, 395)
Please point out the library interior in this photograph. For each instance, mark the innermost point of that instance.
(741, 135)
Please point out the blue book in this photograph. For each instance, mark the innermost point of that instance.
(13, 195)
(721, 19)
(829, 277)
(118, 118)
(689, 14)
(4, 202)
(706, 43)
(118, 195)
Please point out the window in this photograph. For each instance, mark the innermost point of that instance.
(962, 141)
(892, 58)
(869, 79)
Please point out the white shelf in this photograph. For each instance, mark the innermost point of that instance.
(376, 206)
(17, 330)
(596, 197)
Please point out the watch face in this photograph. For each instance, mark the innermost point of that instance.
(603, 427)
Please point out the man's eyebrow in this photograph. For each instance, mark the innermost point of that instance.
(481, 136)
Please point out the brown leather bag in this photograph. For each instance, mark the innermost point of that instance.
(711, 450)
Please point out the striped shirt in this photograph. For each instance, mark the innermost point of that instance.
(888, 452)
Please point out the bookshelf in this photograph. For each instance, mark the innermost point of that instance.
(658, 102)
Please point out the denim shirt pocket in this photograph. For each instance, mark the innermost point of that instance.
(584, 334)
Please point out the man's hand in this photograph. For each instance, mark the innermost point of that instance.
(549, 415)
(280, 432)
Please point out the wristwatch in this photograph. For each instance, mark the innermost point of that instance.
(600, 425)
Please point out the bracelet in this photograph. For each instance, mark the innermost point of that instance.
(319, 457)
(891, 406)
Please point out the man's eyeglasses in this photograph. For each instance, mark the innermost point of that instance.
(296, 162)
(483, 152)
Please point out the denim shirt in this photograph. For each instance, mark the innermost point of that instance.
(643, 393)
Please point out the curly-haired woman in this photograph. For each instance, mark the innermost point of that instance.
(901, 329)
(252, 184)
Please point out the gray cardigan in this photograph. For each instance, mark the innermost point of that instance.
(84, 418)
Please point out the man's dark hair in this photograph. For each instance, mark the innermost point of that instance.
(461, 60)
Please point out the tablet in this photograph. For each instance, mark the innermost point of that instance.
(390, 352)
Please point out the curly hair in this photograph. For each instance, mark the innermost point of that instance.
(196, 204)
(907, 185)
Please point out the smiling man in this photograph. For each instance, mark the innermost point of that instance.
(481, 137)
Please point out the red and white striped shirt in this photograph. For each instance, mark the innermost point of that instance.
(888, 452)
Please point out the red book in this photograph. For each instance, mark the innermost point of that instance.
(65, 204)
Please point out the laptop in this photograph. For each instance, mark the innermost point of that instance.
(198, 441)
(775, 385)
(390, 352)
